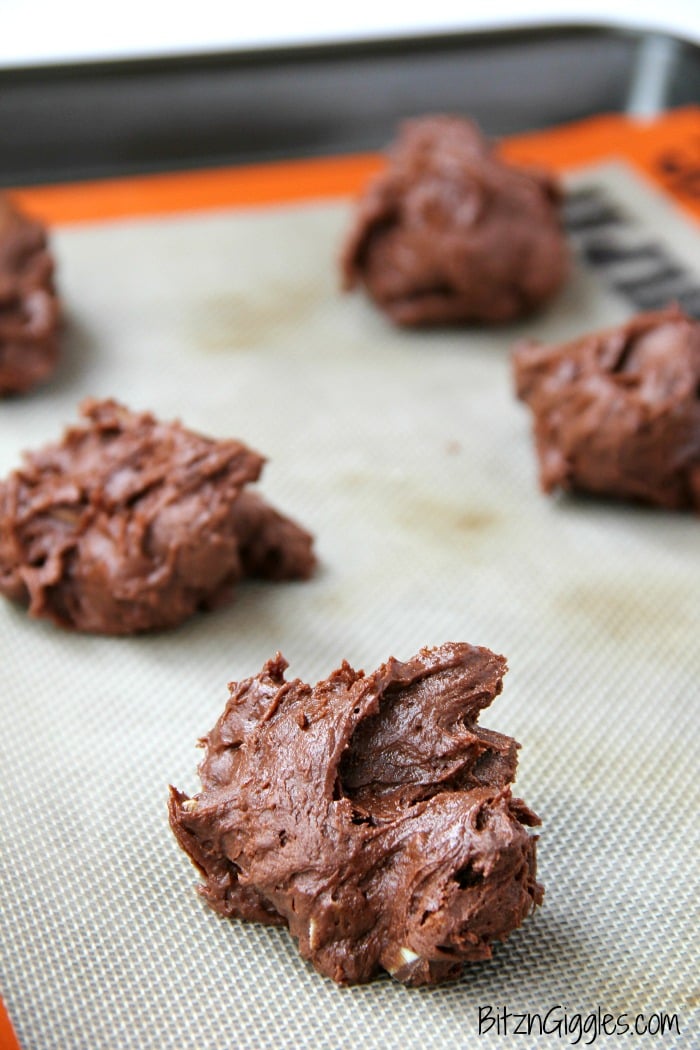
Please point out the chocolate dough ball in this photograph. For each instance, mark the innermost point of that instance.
(617, 412)
(449, 232)
(370, 814)
(29, 313)
(129, 524)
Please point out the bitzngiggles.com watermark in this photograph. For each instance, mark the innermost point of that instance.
(575, 1027)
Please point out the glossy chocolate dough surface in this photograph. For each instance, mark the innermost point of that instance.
(129, 524)
(370, 814)
(29, 312)
(617, 412)
(450, 233)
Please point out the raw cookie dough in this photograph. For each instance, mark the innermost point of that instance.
(370, 814)
(617, 412)
(450, 233)
(29, 313)
(129, 524)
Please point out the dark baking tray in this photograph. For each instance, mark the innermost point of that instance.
(62, 123)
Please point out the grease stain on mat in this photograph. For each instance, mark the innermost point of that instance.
(659, 610)
(416, 509)
(250, 319)
(446, 520)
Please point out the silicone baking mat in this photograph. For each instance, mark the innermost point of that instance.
(409, 458)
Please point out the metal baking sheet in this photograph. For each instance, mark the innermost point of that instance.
(408, 456)
(92, 120)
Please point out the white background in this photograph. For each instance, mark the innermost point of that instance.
(33, 31)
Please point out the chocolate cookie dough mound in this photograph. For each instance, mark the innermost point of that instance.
(370, 814)
(129, 524)
(29, 313)
(451, 233)
(617, 413)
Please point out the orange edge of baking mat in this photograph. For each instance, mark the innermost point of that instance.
(8, 1039)
(667, 150)
(183, 191)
